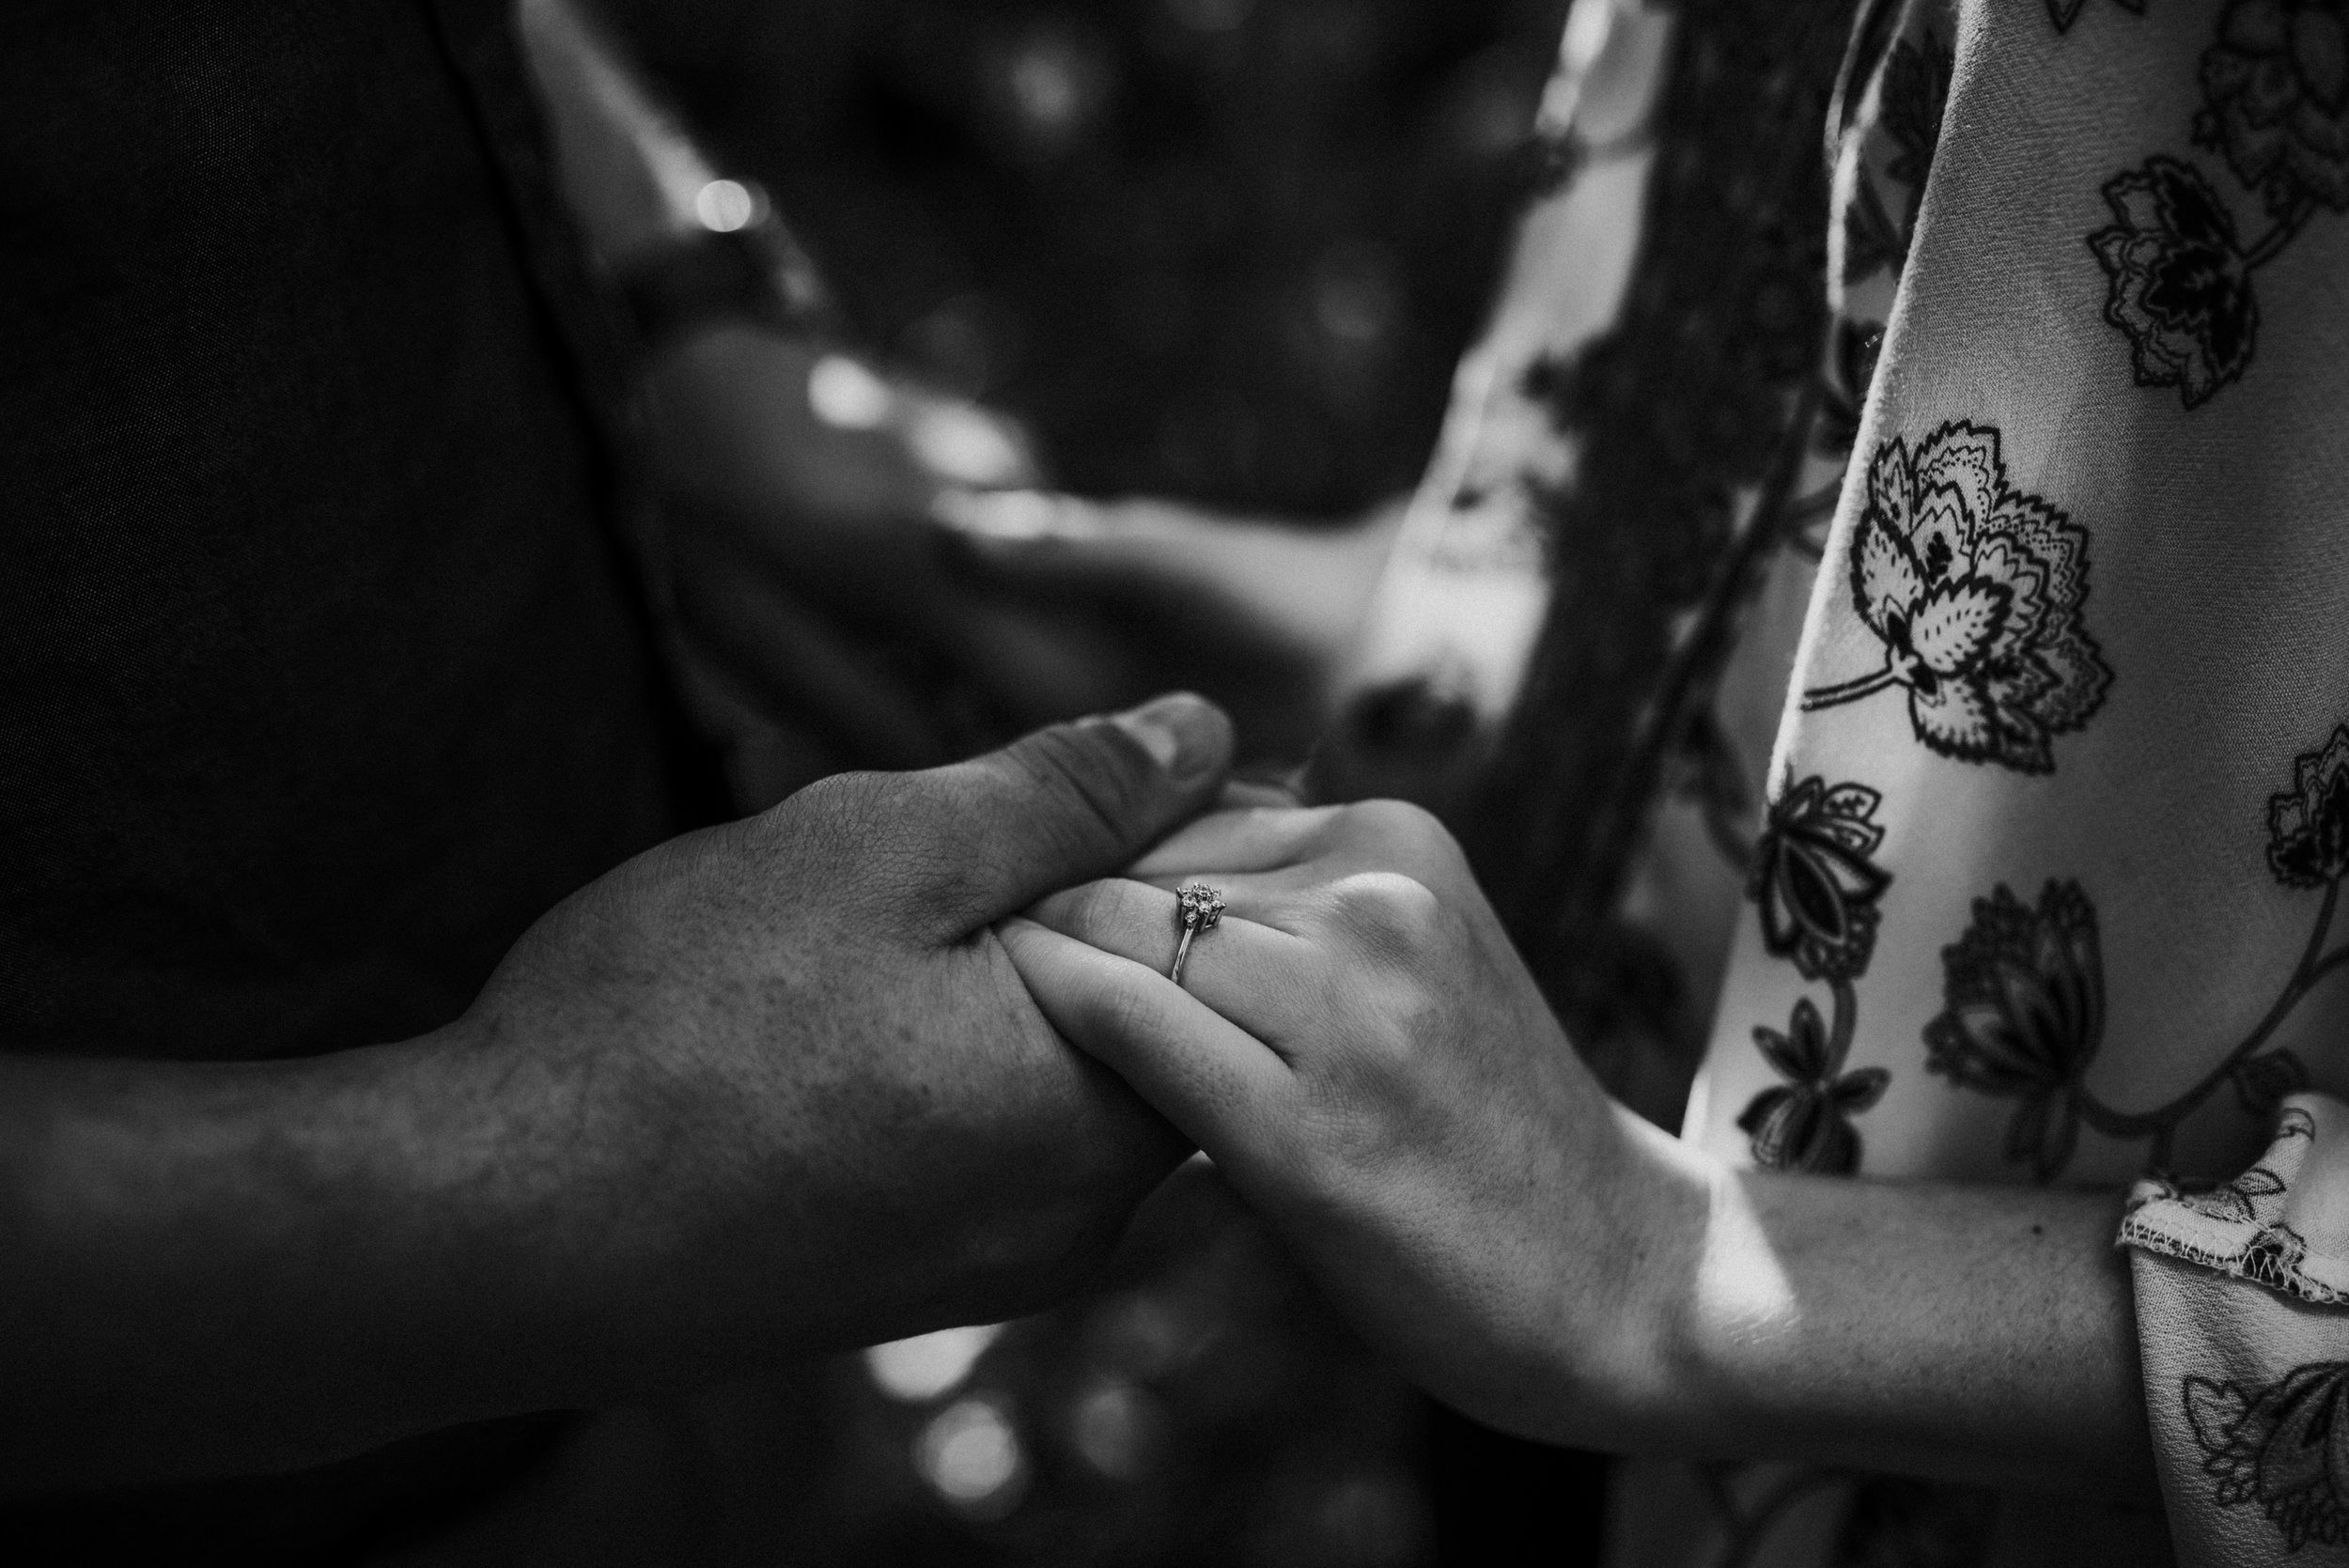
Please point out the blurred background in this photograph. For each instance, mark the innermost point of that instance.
(1226, 252)
(1222, 250)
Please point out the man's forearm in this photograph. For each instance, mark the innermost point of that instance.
(221, 1269)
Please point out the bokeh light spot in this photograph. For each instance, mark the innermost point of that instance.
(971, 1456)
(844, 394)
(724, 206)
(965, 443)
(928, 1366)
(1047, 87)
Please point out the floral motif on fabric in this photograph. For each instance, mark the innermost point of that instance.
(1813, 881)
(2244, 1199)
(2275, 101)
(2024, 991)
(1976, 590)
(2180, 286)
(2284, 1449)
(2023, 1015)
(1816, 888)
(2275, 111)
(1805, 1123)
(2308, 824)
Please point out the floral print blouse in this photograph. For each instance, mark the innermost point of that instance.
(2005, 834)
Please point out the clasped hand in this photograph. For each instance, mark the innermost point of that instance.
(1360, 1050)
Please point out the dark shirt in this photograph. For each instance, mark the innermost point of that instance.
(322, 673)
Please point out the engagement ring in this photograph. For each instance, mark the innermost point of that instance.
(1200, 908)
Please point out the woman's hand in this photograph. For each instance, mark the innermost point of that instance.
(1358, 1048)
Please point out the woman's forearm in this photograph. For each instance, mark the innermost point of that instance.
(1967, 1333)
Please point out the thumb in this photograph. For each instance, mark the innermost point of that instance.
(1072, 802)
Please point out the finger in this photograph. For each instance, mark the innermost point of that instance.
(1062, 806)
(1256, 838)
(1218, 1084)
(1250, 973)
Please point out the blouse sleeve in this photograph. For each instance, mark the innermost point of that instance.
(2059, 812)
(2240, 1297)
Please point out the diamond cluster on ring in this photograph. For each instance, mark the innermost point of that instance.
(1200, 906)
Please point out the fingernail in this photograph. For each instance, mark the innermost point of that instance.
(1183, 734)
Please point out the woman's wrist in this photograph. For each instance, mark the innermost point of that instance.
(1612, 1361)
(1639, 1356)
(1959, 1333)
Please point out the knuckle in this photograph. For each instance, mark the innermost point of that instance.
(1401, 834)
(1390, 913)
(846, 794)
(836, 813)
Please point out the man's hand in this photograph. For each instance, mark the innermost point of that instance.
(765, 1089)
(822, 1096)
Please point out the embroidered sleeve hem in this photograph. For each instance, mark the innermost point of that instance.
(2278, 1224)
